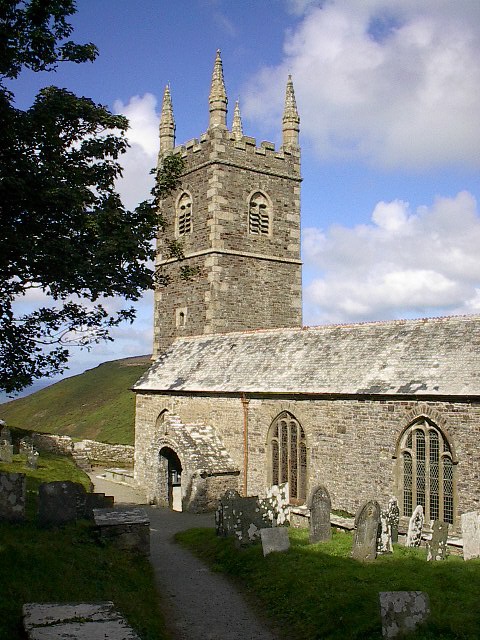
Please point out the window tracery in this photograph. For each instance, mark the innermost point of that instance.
(184, 214)
(427, 472)
(288, 456)
(259, 215)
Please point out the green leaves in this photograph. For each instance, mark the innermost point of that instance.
(64, 231)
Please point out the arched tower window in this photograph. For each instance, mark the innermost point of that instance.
(426, 472)
(288, 456)
(259, 215)
(184, 214)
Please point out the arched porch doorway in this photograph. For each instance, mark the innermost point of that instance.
(171, 478)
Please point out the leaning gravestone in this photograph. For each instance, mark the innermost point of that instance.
(32, 458)
(6, 451)
(471, 534)
(320, 506)
(393, 515)
(437, 546)
(365, 539)
(415, 527)
(384, 540)
(5, 434)
(13, 492)
(274, 539)
(60, 502)
(402, 612)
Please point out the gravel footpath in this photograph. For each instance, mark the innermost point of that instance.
(198, 604)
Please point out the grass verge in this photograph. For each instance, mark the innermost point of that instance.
(317, 591)
(67, 564)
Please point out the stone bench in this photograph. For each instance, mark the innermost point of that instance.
(81, 620)
(128, 528)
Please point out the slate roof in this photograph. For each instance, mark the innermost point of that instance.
(439, 356)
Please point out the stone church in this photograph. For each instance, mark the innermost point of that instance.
(241, 395)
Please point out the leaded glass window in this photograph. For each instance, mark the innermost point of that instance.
(427, 472)
(288, 456)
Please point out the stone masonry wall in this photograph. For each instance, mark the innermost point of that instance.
(117, 454)
(245, 281)
(351, 444)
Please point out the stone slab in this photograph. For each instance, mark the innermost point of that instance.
(127, 529)
(402, 611)
(60, 502)
(82, 621)
(274, 539)
(471, 534)
(13, 492)
(112, 517)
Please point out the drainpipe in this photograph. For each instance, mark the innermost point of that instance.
(245, 402)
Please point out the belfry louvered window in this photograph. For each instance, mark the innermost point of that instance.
(259, 215)
(288, 456)
(427, 472)
(184, 214)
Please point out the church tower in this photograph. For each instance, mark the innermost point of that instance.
(237, 219)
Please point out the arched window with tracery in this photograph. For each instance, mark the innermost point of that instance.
(288, 456)
(427, 472)
(184, 214)
(259, 215)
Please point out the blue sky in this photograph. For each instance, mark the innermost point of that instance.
(389, 98)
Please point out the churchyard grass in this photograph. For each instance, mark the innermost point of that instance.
(67, 564)
(318, 591)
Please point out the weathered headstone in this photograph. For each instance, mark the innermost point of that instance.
(274, 539)
(365, 539)
(60, 502)
(437, 546)
(128, 529)
(320, 506)
(13, 492)
(415, 527)
(81, 620)
(471, 534)
(6, 451)
(277, 504)
(241, 517)
(402, 611)
(384, 540)
(393, 515)
(32, 458)
(5, 434)
(25, 445)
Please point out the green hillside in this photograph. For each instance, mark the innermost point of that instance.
(97, 404)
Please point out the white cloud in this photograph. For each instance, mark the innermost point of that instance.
(136, 183)
(395, 82)
(402, 264)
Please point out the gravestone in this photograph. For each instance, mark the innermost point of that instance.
(277, 504)
(25, 445)
(241, 518)
(128, 529)
(393, 518)
(274, 539)
(60, 502)
(32, 458)
(13, 492)
(384, 540)
(5, 434)
(80, 620)
(415, 527)
(6, 451)
(471, 534)
(320, 506)
(437, 546)
(402, 612)
(365, 539)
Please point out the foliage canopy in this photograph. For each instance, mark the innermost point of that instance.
(67, 239)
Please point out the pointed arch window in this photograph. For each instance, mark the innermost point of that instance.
(427, 472)
(259, 215)
(184, 214)
(288, 456)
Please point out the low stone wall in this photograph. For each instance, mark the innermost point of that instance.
(62, 445)
(100, 452)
